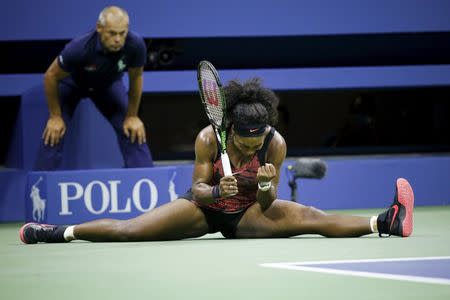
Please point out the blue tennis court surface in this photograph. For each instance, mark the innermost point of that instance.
(419, 269)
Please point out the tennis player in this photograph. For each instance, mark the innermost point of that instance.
(244, 205)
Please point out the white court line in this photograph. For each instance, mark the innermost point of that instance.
(311, 267)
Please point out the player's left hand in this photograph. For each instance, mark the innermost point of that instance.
(266, 173)
(134, 129)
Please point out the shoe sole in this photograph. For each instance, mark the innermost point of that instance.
(406, 198)
(21, 234)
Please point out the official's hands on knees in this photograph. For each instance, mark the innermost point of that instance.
(228, 186)
(54, 130)
(134, 129)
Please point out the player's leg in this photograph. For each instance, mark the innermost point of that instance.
(49, 157)
(113, 104)
(284, 219)
(175, 220)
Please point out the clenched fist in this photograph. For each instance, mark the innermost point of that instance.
(266, 173)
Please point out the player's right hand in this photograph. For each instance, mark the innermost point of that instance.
(54, 130)
(228, 186)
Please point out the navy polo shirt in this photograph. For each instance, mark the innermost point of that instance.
(90, 66)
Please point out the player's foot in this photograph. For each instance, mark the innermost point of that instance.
(32, 233)
(398, 218)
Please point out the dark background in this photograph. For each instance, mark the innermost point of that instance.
(325, 122)
(343, 122)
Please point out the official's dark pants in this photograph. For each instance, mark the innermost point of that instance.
(112, 102)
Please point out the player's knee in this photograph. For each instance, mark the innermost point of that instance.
(311, 213)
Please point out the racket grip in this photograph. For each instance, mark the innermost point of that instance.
(226, 164)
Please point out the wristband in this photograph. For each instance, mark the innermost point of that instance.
(216, 192)
(264, 186)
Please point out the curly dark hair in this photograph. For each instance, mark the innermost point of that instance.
(250, 103)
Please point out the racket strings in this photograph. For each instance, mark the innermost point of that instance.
(211, 95)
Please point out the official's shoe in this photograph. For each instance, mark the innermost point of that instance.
(32, 233)
(398, 218)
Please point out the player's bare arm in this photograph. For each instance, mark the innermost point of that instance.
(205, 152)
(268, 176)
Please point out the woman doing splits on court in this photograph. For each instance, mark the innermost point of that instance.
(243, 205)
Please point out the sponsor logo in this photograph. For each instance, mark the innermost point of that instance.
(395, 207)
(172, 192)
(254, 130)
(108, 202)
(210, 92)
(38, 202)
(121, 65)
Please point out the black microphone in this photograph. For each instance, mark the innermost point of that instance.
(313, 168)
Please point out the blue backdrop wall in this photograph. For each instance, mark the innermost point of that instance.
(52, 19)
(77, 196)
(352, 183)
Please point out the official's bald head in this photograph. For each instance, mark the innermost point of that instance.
(113, 14)
(112, 27)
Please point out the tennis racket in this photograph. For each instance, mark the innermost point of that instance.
(215, 105)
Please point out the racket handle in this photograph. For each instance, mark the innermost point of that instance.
(226, 164)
